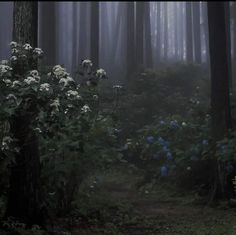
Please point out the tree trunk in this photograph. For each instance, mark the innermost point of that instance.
(166, 41)
(158, 56)
(220, 80)
(130, 38)
(94, 33)
(206, 33)
(139, 34)
(148, 39)
(189, 36)
(24, 189)
(196, 32)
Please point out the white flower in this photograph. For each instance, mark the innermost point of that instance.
(85, 109)
(11, 96)
(27, 46)
(55, 104)
(44, 87)
(87, 63)
(65, 81)
(117, 87)
(100, 73)
(29, 80)
(37, 129)
(14, 51)
(95, 97)
(13, 44)
(13, 58)
(16, 84)
(4, 69)
(4, 62)
(184, 124)
(6, 140)
(189, 168)
(38, 51)
(59, 71)
(35, 75)
(7, 82)
(73, 94)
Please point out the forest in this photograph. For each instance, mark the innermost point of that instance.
(117, 118)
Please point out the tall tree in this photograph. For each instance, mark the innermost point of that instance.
(220, 80)
(47, 30)
(158, 37)
(94, 33)
(189, 35)
(130, 38)
(148, 39)
(196, 32)
(139, 33)
(166, 40)
(24, 192)
(205, 30)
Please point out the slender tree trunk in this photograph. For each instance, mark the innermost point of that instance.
(24, 190)
(220, 80)
(130, 38)
(75, 38)
(139, 33)
(94, 33)
(189, 36)
(206, 34)
(166, 41)
(196, 32)
(158, 5)
(148, 38)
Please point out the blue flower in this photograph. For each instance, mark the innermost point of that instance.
(164, 171)
(165, 148)
(169, 156)
(161, 140)
(150, 139)
(205, 142)
(223, 149)
(174, 124)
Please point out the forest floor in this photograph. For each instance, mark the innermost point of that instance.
(159, 210)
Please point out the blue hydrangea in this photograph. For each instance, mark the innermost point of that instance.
(174, 124)
(161, 140)
(205, 142)
(150, 139)
(162, 122)
(223, 149)
(165, 148)
(164, 171)
(169, 156)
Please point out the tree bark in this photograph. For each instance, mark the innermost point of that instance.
(139, 34)
(220, 80)
(196, 32)
(148, 39)
(189, 36)
(130, 38)
(94, 33)
(24, 189)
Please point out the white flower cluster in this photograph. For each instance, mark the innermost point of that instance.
(85, 109)
(7, 82)
(35, 75)
(38, 51)
(4, 69)
(44, 87)
(117, 87)
(59, 72)
(87, 63)
(73, 94)
(11, 97)
(30, 80)
(13, 44)
(5, 142)
(55, 104)
(100, 73)
(27, 47)
(13, 58)
(4, 62)
(66, 81)
(16, 84)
